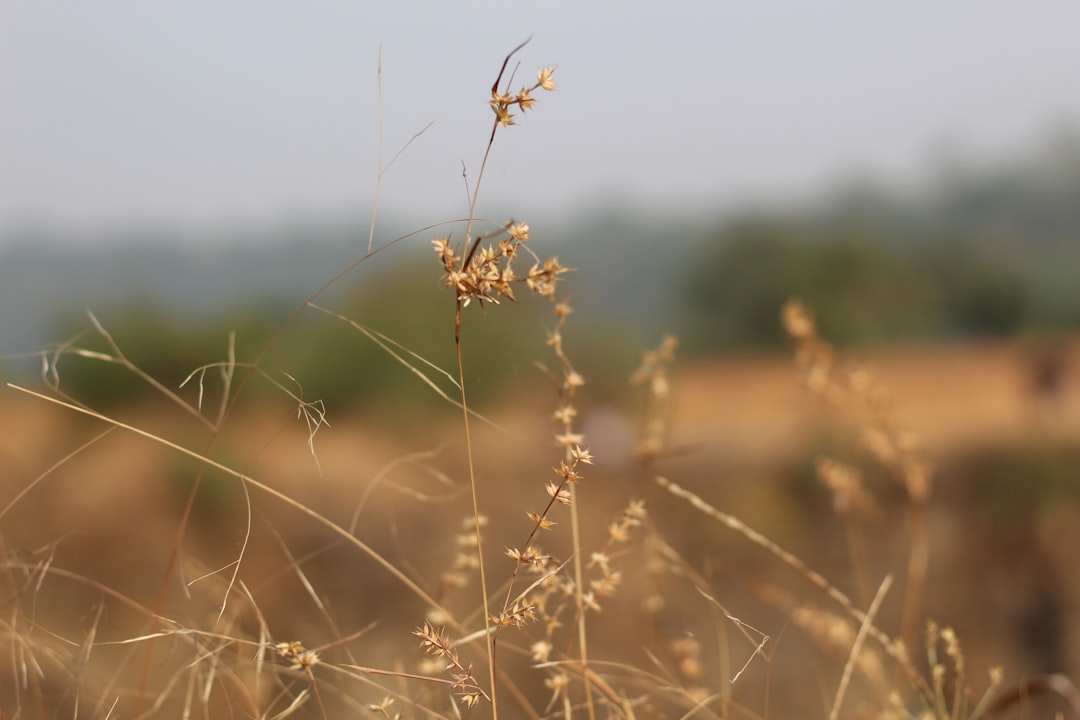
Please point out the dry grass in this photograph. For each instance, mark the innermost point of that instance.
(230, 561)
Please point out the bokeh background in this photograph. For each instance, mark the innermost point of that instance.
(912, 172)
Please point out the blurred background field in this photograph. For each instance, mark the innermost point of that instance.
(916, 186)
(1002, 519)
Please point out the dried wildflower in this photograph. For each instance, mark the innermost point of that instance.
(431, 639)
(569, 439)
(917, 474)
(606, 586)
(383, 708)
(287, 649)
(846, 485)
(539, 568)
(568, 473)
(540, 651)
(654, 604)
(542, 278)
(558, 683)
(453, 580)
(952, 648)
(601, 560)
(581, 455)
(529, 556)
(519, 231)
(445, 253)
(900, 652)
(938, 674)
(435, 643)
(798, 322)
(618, 533)
(560, 494)
(517, 615)
(503, 115)
(466, 561)
(631, 517)
(565, 414)
(543, 77)
(298, 657)
(542, 523)
(305, 660)
(687, 651)
(651, 376)
(437, 616)
(500, 99)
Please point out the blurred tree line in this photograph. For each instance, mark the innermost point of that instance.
(342, 354)
(987, 253)
(978, 252)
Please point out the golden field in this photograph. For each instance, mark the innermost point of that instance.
(743, 433)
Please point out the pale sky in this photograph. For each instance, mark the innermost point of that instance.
(216, 114)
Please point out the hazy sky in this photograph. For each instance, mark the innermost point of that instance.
(212, 113)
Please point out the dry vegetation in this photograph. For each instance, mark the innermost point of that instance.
(220, 560)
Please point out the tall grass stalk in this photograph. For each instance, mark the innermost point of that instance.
(502, 119)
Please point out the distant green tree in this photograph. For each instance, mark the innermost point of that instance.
(985, 299)
(860, 288)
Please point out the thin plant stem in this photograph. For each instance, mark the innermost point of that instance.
(579, 575)
(918, 562)
(856, 648)
(379, 174)
(489, 641)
